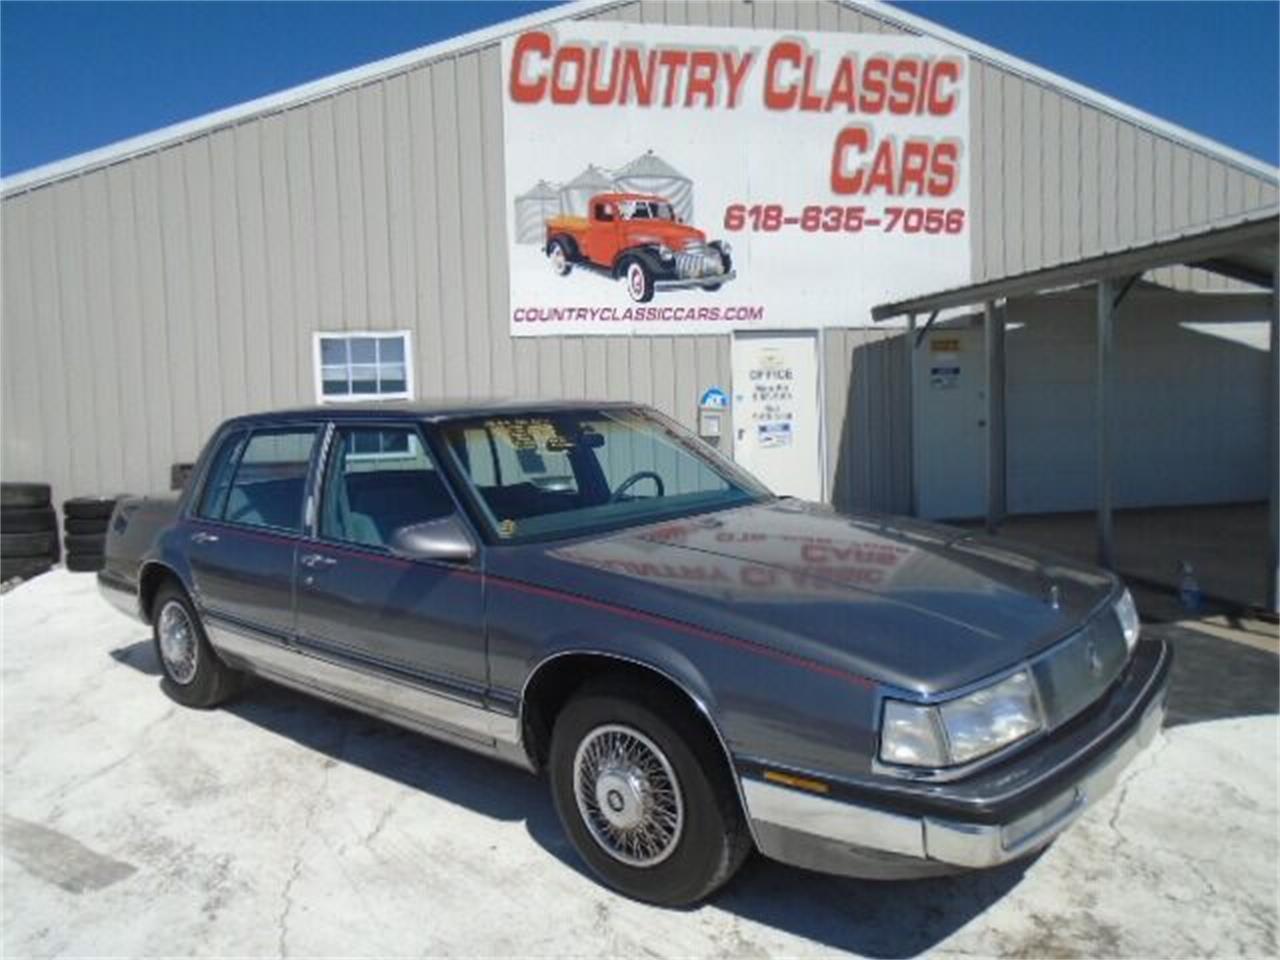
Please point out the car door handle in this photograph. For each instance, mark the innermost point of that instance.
(314, 560)
(202, 537)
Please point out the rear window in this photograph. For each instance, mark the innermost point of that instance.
(270, 479)
(213, 499)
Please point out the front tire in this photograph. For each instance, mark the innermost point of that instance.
(638, 278)
(726, 262)
(194, 676)
(651, 810)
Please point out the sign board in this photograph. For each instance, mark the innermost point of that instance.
(714, 397)
(693, 180)
(777, 423)
(944, 378)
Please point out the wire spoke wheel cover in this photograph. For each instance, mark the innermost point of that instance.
(628, 795)
(179, 645)
(635, 281)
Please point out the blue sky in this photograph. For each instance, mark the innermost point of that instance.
(75, 76)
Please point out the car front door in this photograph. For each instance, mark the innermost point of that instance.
(602, 238)
(244, 531)
(409, 632)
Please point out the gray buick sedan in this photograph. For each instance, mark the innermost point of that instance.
(700, 667)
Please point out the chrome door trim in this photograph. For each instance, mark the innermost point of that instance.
(366, 685)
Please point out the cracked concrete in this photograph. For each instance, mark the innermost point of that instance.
(282, 826)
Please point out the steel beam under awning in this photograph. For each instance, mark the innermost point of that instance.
(1244, 247)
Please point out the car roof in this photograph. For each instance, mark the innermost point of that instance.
(430, 410)
(631, 196)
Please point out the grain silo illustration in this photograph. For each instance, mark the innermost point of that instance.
(649, 173)
(534, 208)
(575, 196)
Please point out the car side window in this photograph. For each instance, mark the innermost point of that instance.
(271, 479)
(217, 484)
(378, 480)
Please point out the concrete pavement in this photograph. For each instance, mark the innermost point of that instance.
(281, 825)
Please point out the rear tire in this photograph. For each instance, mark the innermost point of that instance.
(23, 567)
(27, 519)
(24, 495)
(89, 508)
(80, 526)
(85, 543)
(561, 258)
(84, 562)
(43, 544)
(701, 838)
(193, 674)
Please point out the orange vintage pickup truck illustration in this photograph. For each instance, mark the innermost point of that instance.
(637, 238)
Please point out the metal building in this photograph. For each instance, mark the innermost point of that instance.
(159, 285)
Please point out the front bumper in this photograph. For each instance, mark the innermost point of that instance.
(997, 816)
(678, 283)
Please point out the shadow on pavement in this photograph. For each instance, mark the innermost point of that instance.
(878, 919)
(1214, 678)
(140, 655)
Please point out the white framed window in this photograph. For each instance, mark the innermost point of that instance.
(369, 365)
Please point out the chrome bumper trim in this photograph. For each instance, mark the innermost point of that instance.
(121, 596)
(685, 282)
(849, 823)
(956, 843)
(986, 845)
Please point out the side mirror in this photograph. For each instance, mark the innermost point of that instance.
(444, 539)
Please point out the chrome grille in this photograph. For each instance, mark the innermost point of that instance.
(698, 260)
(1080, 669)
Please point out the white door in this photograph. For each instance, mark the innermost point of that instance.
(951, 424)
(776, 417)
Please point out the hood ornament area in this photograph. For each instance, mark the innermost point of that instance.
(1094, 657)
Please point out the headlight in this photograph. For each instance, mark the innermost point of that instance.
(991, 718)
(665, 252)
(1127, 614)
(910, 735)
(962, 729)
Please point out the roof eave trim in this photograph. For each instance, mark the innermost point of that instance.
(358, 76)
(909, 21)
(131, 147)
(1188, 247)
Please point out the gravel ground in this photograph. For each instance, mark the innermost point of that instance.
(280, 825)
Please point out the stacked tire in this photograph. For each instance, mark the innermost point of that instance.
(84, 523)
(28, 530)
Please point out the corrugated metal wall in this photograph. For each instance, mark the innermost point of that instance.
(146, 301)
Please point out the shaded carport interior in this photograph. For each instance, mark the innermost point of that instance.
(1243, 247)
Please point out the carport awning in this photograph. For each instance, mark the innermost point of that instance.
(1243, 247)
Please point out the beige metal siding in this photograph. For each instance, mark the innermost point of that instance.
(146, 301)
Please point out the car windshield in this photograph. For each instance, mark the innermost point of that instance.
(560, 474)
(646, 210)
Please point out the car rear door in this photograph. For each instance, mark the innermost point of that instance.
(243, 533)
(417, 624)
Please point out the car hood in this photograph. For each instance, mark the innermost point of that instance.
(674, 235)
(912, 604)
